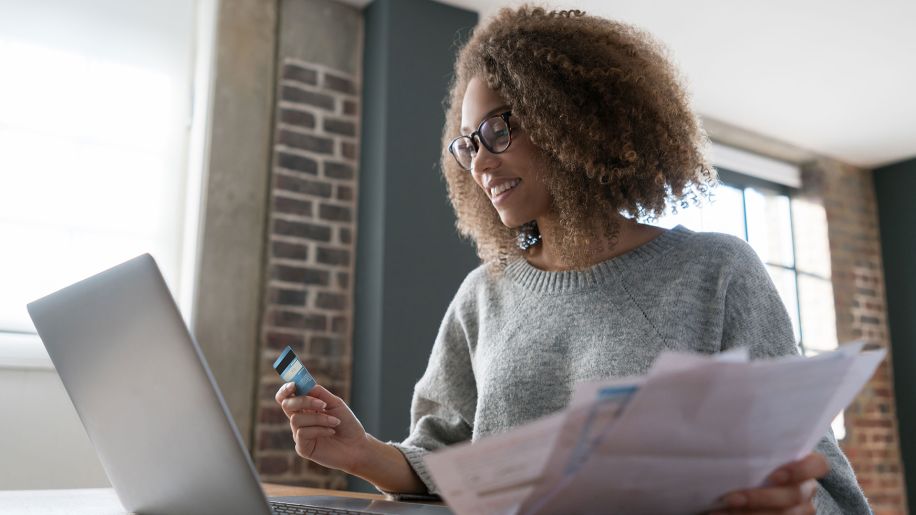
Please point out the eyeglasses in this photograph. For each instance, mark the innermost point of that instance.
(494, 133)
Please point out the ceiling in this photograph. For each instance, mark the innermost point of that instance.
(834, 77)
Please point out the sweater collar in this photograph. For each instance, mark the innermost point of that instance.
(541, 281)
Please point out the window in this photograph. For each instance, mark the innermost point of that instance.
(789, 234)
(96, 138)
(760, 213)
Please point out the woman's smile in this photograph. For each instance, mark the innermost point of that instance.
(500, 192)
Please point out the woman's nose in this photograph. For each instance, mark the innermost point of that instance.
(484, 160)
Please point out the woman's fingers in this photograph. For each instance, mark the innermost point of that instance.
(781, 497)
(284, 391)
(306, 418)
(309, 419)
(798, 510)
(790, 489)
(304, 434)
(812, 466)
(293, 404)
(321, 393)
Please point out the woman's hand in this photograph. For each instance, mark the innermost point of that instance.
(324, 428)
(789, 491)
(328, 433)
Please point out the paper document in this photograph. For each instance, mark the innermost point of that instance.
(495, 475)
(672, 442)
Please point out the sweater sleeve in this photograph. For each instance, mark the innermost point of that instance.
(754, 316)
(445, 397)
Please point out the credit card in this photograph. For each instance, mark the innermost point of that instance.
(291, 369)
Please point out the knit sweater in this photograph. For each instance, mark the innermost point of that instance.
(511, 348)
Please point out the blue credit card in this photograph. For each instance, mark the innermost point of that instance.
(292, 370)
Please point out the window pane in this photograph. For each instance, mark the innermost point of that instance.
(726, 212)
(812, 247)
(723, 213)
(785, 285)
(93, 142)
(769, 226)
(817, 312)
(839, 426)
(689, 218)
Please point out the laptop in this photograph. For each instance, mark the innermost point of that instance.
(151, 406)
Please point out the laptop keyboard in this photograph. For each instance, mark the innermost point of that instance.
(282, 508)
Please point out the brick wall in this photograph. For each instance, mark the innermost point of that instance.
(308, 281)
(872, 436)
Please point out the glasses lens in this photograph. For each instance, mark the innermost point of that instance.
(495, 133)
(463, 150)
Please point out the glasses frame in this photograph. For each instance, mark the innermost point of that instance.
(476, 136)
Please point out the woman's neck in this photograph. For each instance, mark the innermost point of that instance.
(546, 255)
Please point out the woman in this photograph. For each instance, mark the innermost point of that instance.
(562, 130)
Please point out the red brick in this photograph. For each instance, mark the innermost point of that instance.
(298, 313)
(279, 440)
(272, 415)
(273, 464)
(872, 442)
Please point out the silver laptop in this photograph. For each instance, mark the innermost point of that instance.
(150, 404)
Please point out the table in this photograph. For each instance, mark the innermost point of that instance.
(104, 501)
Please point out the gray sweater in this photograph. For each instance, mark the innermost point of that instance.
(511, 348)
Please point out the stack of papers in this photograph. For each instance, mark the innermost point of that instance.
(673, 441)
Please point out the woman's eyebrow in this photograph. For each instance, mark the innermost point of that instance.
(499, 109)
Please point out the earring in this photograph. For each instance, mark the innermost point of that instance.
(528, 235)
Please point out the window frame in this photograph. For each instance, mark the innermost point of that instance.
(743, 182)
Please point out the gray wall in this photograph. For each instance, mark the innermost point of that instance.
(895, 188)
(410, 260)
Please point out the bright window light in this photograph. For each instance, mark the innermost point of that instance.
(794, 259)
(93, 145)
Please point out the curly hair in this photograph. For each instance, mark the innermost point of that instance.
(606, 107)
